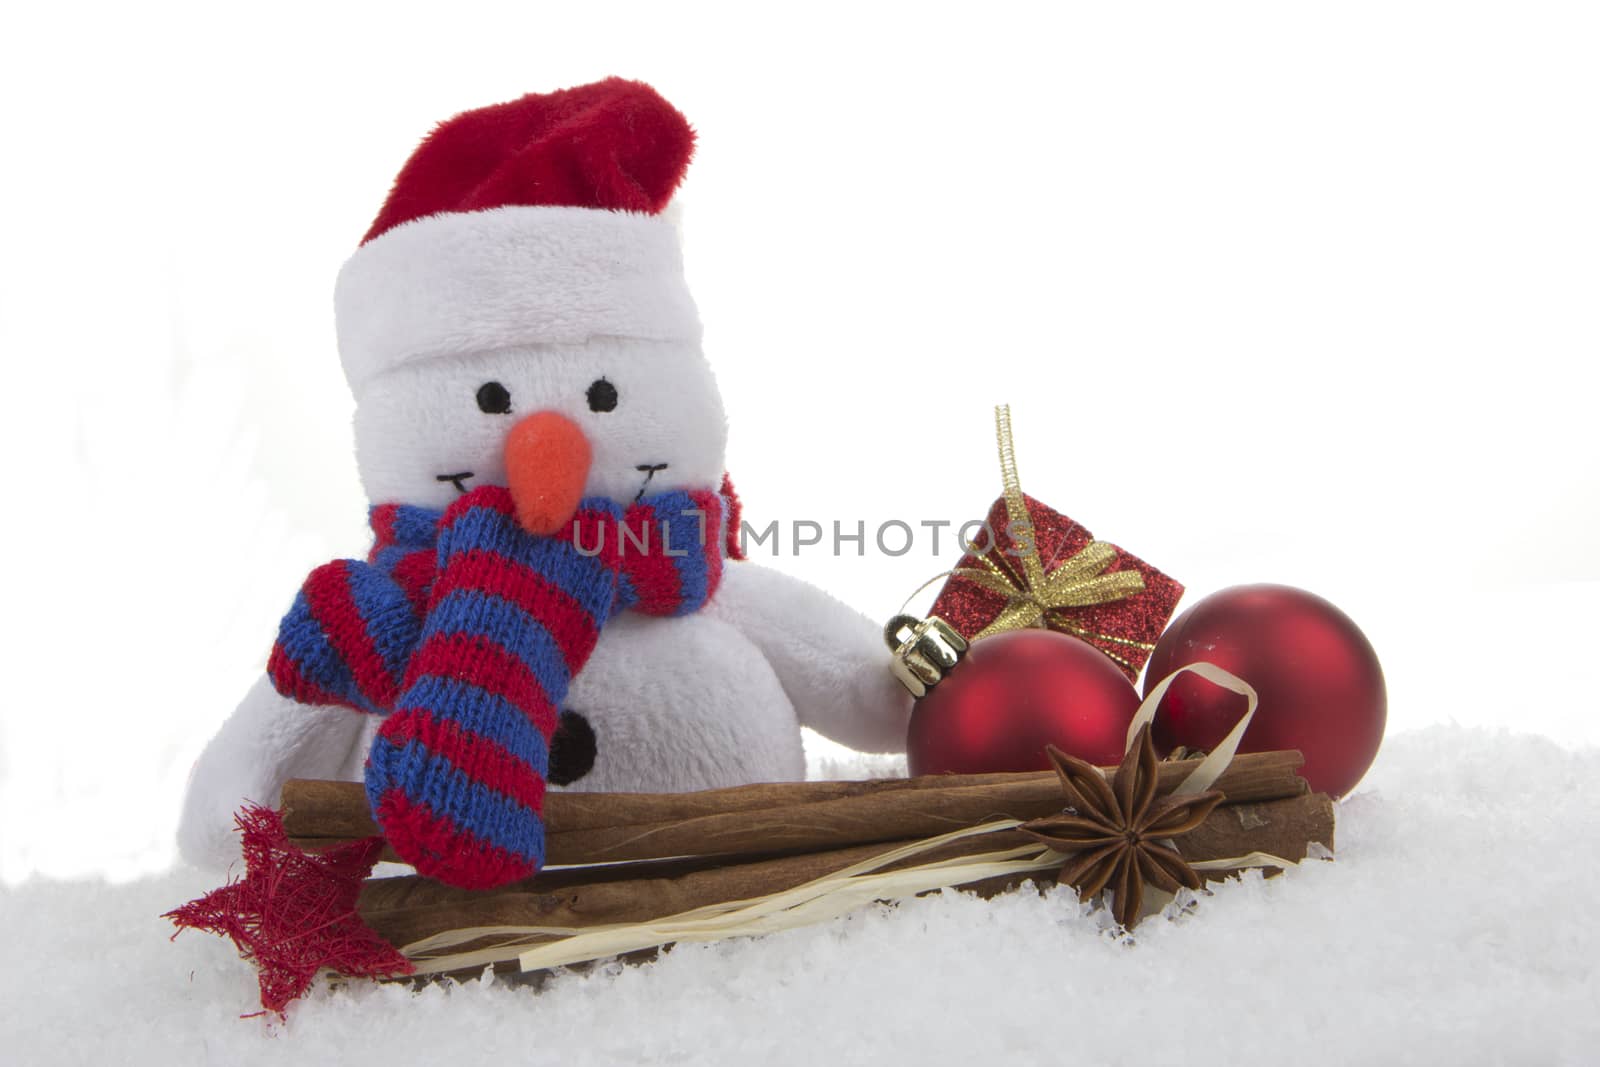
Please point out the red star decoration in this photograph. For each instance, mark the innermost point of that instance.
(294, 912)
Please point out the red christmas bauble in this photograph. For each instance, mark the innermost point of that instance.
(1013, 694)
(1318, 678)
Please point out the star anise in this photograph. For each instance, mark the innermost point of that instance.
(1118, 833)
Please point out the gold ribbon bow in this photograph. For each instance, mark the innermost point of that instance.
(1034, 594)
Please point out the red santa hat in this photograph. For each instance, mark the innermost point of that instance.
(536, 221)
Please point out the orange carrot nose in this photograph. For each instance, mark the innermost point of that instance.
(547, 464)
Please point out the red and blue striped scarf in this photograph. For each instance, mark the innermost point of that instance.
(466, 631)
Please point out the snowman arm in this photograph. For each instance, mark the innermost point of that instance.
(269, 739)
(829, 658)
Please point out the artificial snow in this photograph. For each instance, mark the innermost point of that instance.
(1458, 925)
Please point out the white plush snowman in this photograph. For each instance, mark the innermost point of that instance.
(526, 358)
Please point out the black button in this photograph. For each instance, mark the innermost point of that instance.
(572, 749)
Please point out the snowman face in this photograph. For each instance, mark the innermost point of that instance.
(431, 430)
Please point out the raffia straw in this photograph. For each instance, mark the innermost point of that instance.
(828, 897)
(820, 899)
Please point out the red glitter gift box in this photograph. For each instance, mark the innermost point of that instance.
(1049, 571)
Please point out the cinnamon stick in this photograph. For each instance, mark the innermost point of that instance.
(1283, 828)
(891, 815)
(409, 908)
(319, 814)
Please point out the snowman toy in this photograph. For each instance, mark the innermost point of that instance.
(554, 597)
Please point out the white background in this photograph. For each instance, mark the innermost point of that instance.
(1277, 292)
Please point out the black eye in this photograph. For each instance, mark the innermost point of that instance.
(493, 398)
(602, 396)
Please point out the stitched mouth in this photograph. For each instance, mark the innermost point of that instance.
(649, 470)
(458, 480)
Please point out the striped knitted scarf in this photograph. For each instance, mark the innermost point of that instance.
(465, 631)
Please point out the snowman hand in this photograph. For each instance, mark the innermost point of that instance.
(346, 639)
(456, 776)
